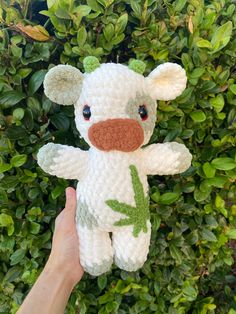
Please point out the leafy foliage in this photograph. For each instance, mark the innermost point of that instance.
(193, 214)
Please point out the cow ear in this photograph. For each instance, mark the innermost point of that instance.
(63, 84)
(167, 81)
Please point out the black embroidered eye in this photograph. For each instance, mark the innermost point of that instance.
(86, 112)
(143, 112)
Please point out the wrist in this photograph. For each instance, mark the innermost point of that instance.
(60, 272)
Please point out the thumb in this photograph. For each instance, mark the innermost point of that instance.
(70, 200)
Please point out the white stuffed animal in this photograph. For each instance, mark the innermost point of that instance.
(115, 112)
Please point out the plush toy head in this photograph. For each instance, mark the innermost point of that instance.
(115, 105)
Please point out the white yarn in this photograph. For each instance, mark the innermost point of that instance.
(167, 81)
(62, 84)
(106, 175)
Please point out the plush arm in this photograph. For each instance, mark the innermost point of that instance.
(166, 159)
(63, 161)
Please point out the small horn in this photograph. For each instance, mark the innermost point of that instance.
(137, 66)
(90, 64)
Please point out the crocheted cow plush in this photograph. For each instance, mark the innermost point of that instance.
(115, 112)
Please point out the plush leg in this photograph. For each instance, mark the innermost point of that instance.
(96, 252)
(131, 252)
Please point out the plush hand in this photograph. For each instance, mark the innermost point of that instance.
(167, 158)
(181, 156)
(63, 161)
(47, 155)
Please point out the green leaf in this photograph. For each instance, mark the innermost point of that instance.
(121, 23)
(208, 235)
(18, 114)
(112, 306)
(209, 170)
(224, 163)
(168, 198)
(219, 202)
(187, 134)
(3, 197)
(203, 43)
(190, 292)
(57, 191)
(102, 281)
(94, 5)
(200, 196)
(5, 167)
(7, 221)
(81, 36)
(156, 196)
(18, 160)
(17, 256)
(34, 105)
(197, 72)
(178, 5)
(207, 87)
(231, 234)
(109, 31)
(60, 121)
(62, 14)
(36, 81)
(52, 3)
(58, 24)
(211, 221)
(11, 98)
(34, 227)
(12, 274)
(192, 237)
(107, 297)
(175, 253)
(118, 39)
(83, 10)
(16, 133)
(221, 36)
(217, 181)
(232, 88)
(198, 116)
(217, 102)
(105, 3)
(24, 72)
(136, 7)
(28, 119)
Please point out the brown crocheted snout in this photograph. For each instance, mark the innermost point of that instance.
(125, 135)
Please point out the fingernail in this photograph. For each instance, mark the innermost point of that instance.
(69, 191)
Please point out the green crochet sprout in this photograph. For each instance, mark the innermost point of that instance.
(90, 64)
(137, 66)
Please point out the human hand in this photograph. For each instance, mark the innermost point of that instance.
(65, 244)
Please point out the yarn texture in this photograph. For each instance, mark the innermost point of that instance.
(115, 112)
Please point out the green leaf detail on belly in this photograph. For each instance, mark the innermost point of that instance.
(137, 215)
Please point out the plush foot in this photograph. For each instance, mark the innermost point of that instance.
(96, 252)
(131, 252)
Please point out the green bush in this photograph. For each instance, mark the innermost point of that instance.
(193, 214)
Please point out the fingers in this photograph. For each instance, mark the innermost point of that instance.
(70, 207)
(70, 199)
